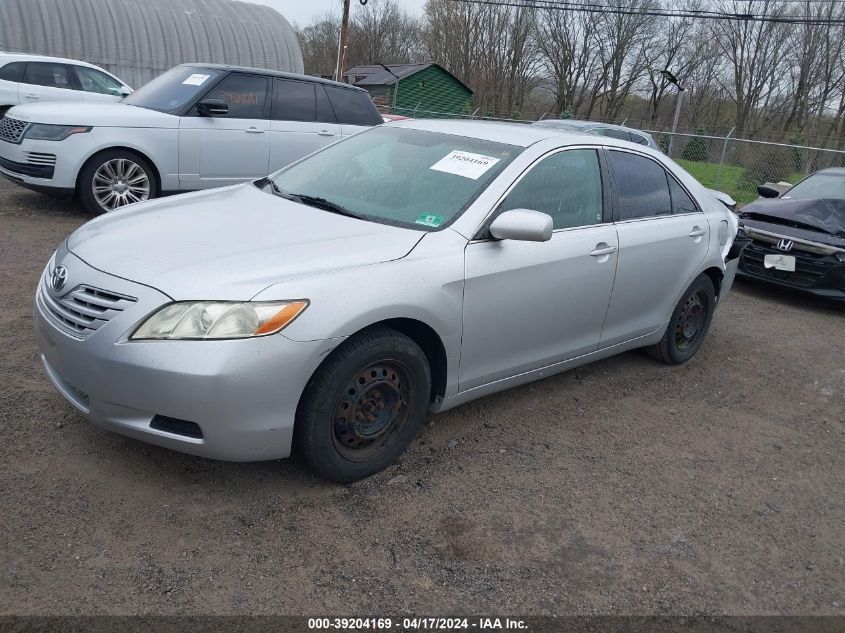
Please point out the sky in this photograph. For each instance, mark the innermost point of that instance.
(304, 11)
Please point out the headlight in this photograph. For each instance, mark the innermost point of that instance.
(204, 320)
(45, 132)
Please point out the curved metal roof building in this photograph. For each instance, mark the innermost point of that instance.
(139, 39)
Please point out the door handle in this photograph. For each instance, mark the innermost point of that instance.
(325, 133)
(697, 232)
(601, 251)
(31, 96)
(254, 130)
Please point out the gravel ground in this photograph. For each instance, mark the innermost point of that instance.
(622, 487)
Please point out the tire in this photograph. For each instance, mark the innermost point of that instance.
(124, 176)
(380, 378)
(689, 324)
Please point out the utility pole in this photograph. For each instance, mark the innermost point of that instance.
(679, 100)
(341, 47)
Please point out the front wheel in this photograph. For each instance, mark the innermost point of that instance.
(689, 324)
(363, 406)
(115, 179)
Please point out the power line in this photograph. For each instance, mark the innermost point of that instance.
(583, 7)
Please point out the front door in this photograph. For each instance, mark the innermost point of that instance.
(48, 81)
(224, 150)
(531, 304)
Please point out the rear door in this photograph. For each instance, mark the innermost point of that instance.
(48, 81)
(663, 240)
(528, 305)
(302, 122)
(354, 109)
(215, 151)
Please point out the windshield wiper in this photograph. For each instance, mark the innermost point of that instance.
(322, 203)
(311, 201)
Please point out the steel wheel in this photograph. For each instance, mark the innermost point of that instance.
(119, 182)
(372, 410)
(690, 325)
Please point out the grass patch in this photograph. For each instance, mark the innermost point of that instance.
(731, 180)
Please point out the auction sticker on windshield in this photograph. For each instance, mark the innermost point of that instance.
(465, 164)
(196, 79)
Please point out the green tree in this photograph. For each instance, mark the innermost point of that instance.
(696, 149)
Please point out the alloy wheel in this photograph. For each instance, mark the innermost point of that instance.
(119, 182)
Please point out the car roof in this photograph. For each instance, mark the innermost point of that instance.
(275, 73)
(519, 134)
(832, 171)
(32, 57)
(576, 123)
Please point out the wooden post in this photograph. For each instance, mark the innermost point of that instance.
(341, 48)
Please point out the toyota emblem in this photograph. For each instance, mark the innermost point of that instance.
(785, 245)
(59, 278)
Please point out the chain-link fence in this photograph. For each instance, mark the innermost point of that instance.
(737, 166)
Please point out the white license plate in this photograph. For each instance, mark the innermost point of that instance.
(780, 262)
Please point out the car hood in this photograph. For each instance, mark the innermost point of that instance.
(231, 243)
(93, 114)
(817, 220)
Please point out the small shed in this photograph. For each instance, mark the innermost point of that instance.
(423, 90)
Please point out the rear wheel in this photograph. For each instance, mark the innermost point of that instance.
(689, 324)
(115, 179)
(363, 406)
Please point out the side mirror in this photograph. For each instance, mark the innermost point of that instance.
(125, 91)
(212, 107)
(768, 192)
(523, 225)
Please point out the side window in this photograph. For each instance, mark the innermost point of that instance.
(637, 138)
(353, 107)
(246, 95)
(50, 75)
(566, 185)
(92, 80)
(622, 135)
(681, 202)
(640, 186)
(293, 101)
(325, 113)
(12, 72)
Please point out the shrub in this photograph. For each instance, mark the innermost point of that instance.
(696, 149)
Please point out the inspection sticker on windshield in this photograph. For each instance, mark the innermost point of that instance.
(426, 219)
(465, 164)
(196, 79)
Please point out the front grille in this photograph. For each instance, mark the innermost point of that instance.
(83, 310)
(41, 159)
(809, 267)
(11, 130)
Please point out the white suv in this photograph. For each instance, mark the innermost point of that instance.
(194, 127)
(33, 78)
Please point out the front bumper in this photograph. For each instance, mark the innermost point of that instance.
(821, 275)
(242, 394)
(47, 166)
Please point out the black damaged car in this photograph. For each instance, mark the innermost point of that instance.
(797, 238)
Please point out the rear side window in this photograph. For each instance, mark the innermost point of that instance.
(566, 185)
(50, 75)
(246, 95)
(325, 113)
(640, 187)
(622, 135)
(642, 140)
(293, 101)
(12, 72)
(353, 107)
(681, 202)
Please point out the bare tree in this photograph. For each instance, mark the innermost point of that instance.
(381, 32)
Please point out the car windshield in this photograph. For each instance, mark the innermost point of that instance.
(173, 90)
(827, 186)
(400, 176)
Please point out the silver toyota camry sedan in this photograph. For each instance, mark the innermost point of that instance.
(327, 308)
